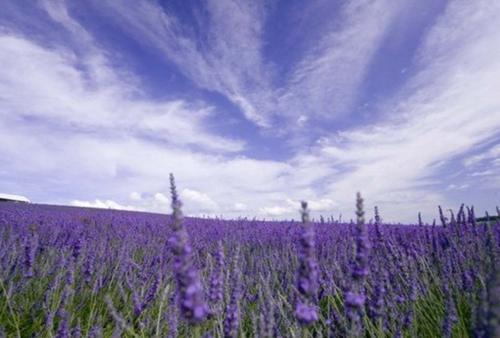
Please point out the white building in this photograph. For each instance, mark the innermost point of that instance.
(13, 198)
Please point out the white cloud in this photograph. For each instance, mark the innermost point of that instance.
(227, 61)
(302, 120)
(442, 112)
(457, 187)
(201, 201)
(228, 56)
(87, 124)
(161, 198)
(275, 211)
(240, 206)
(326, 81)
(103, 204)
(135, 196)
(62, 94)
(291, 208)
(324, 204)
(493, 154)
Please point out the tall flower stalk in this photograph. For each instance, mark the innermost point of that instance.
(306, 309)
(494, 300)
(232, 319)
(355, 296)
(192, 303)
(30, 246)
(217, 282)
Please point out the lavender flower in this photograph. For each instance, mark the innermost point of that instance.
(376, 303)
(118, 319)
(29, 255)
(89, 267)
(216, 281)
(377, 216)
(63, 330)
(494, 302)
(77, 248)
(267, 313)
(77, 331)
(192, 303)
(96, 331)
(453, 222)
(70, 273)
(362, 243)
(394, 288)
(151, 294)
(117, 333)
(171, 315)
(138, 305)
(232, 319)
(461, 215)
(355, 296)
(442, 217)
(450, 316)
(307, 280)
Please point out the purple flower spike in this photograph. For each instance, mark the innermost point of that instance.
(192, 303)
(307, 281)
(355, 296)
(217, 282)
(441, 216)
(354, 300)
(30, 246)
(77, 331)
(63, 331)
(450, 317)
(306, 314)
(232, 320)
(171, 316)
(494, 301)
(77, 248)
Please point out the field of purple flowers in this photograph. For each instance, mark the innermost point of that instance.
(75, 272)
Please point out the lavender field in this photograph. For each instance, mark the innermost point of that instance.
(76, 272)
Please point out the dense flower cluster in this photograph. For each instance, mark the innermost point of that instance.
(232, 318)
(76, 272)
(190, 289)
(217, 280)
(355, 296)
(307, 280)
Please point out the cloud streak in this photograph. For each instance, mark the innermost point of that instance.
(82, 116)
(224, 57)
(62, 94)
(227, 56)
(326, 82)
(441, 113)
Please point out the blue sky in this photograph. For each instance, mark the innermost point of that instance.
(254, 105)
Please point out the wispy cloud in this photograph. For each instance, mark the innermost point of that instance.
(62, 94)
(292, 207)
(225, 56)
(83, 117)
(325, 84)
(449, 107)
(107, 204)
(491, 155)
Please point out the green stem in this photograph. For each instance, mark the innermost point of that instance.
(11, 310)
(197, 332)
(158, 319)
(91, 314)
